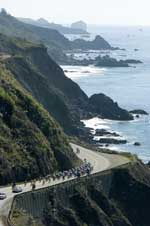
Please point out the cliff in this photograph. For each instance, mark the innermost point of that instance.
(46, 81)
(32, 144)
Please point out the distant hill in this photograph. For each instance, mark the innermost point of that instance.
(79, 25)
(44, 23)
(56, 43)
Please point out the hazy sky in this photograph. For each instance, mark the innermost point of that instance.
(122, 12)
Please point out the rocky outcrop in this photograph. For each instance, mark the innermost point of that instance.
(108, 140)
(103, 61)
(131, 61)
(79, 25)
(139, 112)
(104, 132)
(46, 24)
(107, 61)
(99, 43)
(107, 108)
(137, 144)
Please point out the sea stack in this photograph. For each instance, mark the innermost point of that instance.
(79, 25)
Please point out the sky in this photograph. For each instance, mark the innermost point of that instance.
(111, 12)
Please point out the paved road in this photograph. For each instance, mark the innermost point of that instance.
(4, 56)
(99, 161)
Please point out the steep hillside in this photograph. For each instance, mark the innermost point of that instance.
(31, 143)
(10, 26)
(33, 68)
(63, 98)
(56, 43)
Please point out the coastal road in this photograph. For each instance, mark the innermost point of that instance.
(4, 56)
(99, 161)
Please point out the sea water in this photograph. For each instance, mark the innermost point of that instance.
(130, 87)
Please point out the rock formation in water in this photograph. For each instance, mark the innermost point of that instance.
(79, 25)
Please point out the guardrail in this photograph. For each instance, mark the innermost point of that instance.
(74, 180)
(9, 222)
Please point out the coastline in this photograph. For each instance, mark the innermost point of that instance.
(116, 127)
(113, 82)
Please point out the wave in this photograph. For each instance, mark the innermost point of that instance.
(75, 72)
(96, 123)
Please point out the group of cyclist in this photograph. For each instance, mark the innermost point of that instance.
(85, 169)
(77, 172)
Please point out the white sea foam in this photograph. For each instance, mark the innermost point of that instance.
(75, 72)
(114, 83)
(110, 137)
(96, 123)
(144, 158)
(114, 148)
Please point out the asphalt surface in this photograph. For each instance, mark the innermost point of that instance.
(99, 161)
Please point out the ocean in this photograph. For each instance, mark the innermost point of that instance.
(130, 87)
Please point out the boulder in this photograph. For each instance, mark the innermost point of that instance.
(131, 61)
(103, 132)
(137, 116)
(107, 61)
(137, 144)
(111, 141)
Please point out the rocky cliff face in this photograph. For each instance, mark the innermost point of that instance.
(131, 194)
(46, 81)
(116, 198)
(127, 203)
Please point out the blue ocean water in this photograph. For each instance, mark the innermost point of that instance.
(130, 87)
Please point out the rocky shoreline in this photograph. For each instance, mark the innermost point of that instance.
(104, 137)
(102, 61)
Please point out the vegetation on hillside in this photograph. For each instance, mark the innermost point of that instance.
(46, 81)
(32, 144)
